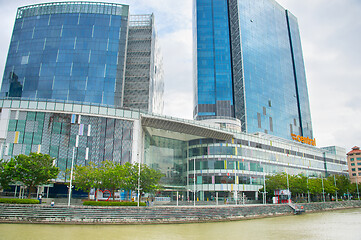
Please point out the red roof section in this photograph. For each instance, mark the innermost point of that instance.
(355, 149)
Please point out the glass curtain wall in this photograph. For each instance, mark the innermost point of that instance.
(69, 51)
(214, 94)
(168, 156)
(275, 84)
(99, 139)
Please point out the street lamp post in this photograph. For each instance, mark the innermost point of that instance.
(308, 190)
(288, 188)
(235, 183)
(358, 194)
(80, 133)
(334, 178)
(71, 177)
(264, 188)
(323, 191)
(138, 180)
(194, 182)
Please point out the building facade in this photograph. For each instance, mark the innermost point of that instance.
(198, 159)
(57, 68)
(144, 85)
(248, 65)
(354, 164)
(77, 51)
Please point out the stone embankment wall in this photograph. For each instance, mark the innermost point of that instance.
(151, 215)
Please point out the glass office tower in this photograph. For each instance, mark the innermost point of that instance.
(69, 51)
(249, 65)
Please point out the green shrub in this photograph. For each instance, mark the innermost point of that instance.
(18, 201)
(101, 203)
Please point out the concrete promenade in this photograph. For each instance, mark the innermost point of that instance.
(153, 215)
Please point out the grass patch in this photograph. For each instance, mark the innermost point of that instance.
(18, 201)
(102, 203)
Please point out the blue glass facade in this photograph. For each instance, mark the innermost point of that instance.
(214, 95)
(300, 76)
(270, 93)
(68, 51)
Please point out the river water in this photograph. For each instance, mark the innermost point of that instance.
(341, 224)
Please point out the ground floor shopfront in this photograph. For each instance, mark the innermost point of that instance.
(199, 160)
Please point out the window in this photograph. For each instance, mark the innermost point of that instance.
(358, 158)
(352, 164)
(353, 174)
(353, 169)
(24, 59)
(359, 164)
(352, 159)
(359, 173)
(359, 169)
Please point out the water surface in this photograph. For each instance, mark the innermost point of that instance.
(342, 224)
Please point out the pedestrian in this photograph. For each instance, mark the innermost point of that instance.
(52, 203)
(147, 201)
(39, 198)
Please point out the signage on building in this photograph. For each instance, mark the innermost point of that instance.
(302, 139)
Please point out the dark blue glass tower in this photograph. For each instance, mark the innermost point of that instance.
(249, 66)
(214, 70)
(69, 51)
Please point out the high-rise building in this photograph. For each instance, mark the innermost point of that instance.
(144, 84)
(77, 51)
(248, 65)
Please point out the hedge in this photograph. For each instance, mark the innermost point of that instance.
(18, 201)
(102, 203)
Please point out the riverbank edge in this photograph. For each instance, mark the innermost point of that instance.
(154, 215)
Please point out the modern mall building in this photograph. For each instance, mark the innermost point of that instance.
(248, 65)
(195, 156)
(84, 77)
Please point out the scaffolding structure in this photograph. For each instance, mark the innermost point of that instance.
(143, 86)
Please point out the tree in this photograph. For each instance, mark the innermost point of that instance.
(355, 190)
(315, 186)
(35, 169)
(7, 170)
(343, 184)
(298, 184)
(329, 186)
(275, 182)
(112, 176)
(149, 178)
(86, 177)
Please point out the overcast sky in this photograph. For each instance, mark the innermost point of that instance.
(331, 41)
